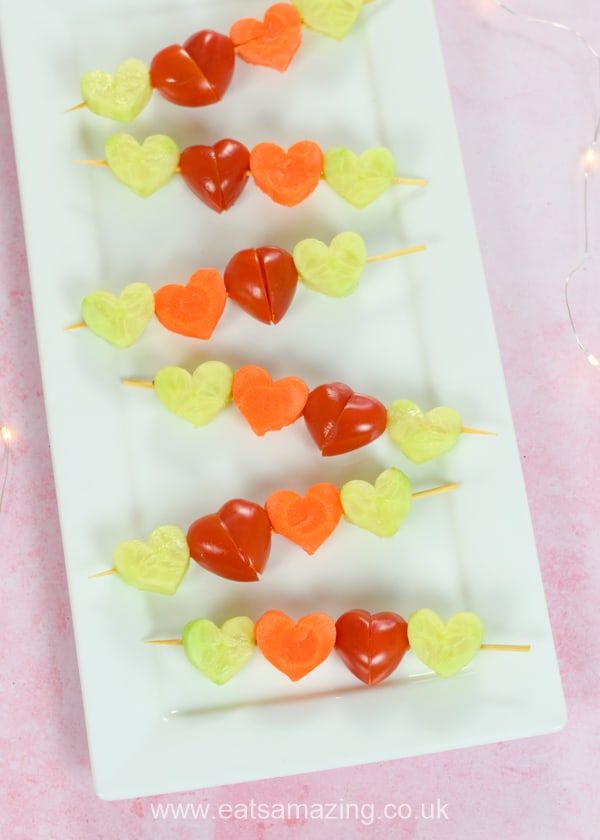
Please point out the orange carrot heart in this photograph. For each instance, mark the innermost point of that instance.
(306, 521)
(272, 42)
(295, 647)
(287, 177)
(267, 405)
(195, 309)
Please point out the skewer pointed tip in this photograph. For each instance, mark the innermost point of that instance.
(467, 430)
(163, 642)
(77, 107)
(106, 572)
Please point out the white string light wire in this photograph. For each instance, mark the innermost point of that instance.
(590, 160)
(6, 437)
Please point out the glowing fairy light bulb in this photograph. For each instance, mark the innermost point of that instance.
(590, 158)
(6, 434)
(593, 360)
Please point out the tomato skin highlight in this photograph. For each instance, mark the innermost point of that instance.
(371, 646)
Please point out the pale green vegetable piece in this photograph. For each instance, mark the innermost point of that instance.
(422, 437)
(119, 320)
(120, 96)
(197, 397)
(329, 17)
(156, 566)
(360, 180)
(145, 167)
(333, 270)
(445, 648)
(219, 653)
(380, 508)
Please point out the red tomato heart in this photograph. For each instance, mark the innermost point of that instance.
(234, 542)
(197, 73)
(216, 174)
(340, 420)
(263, 282)
(272, 42)
(193, 310)
(371, 646)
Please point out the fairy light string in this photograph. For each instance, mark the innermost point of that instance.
(591, 157)
(6, 437)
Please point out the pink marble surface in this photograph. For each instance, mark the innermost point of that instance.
(523, 99)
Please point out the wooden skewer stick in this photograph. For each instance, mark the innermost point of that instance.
(106, 572)
(389, 255)
(93, 162)
(407, 182)
(137, 383)
(411, 182)
(163, 642)
(99, 162)
(75, 107)
(400, 252)
(497, 648)
(147, 383)
(435, 491)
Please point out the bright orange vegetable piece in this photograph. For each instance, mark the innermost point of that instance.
(309, 520)
(287, 177)
(267, 405)
(295, 648)
(272, 42)
(195, 309)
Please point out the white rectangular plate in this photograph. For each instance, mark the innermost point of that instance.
(420, 327)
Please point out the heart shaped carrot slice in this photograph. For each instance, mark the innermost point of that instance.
(295, 647)
(287, 177)
(309, 520)
(272, 42)
(267, 405)
(195, 309)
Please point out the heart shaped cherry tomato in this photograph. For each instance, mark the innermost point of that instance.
(263, 282)
(234, 542)
(216, 174)
(197, 73)
(371, 646)
(340, 420)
